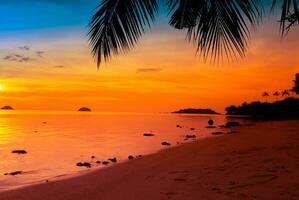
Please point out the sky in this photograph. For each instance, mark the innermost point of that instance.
(46, 64)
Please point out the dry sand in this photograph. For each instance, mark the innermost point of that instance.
(259, 162)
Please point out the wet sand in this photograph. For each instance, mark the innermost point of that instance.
(261, 161)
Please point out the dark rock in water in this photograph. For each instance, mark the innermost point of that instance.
(47, 181)
(211, 122)
(217, 133)
(93, 157)
(190, 136)
(210, 126)
(87, 164)
(84, 164)
(98, 162)
(130, 157)
(19, 151)
(165, 144)
(7, 108)
(84, 109)
(178, 126)
(192, 129)
(105, 162)
(113, 160)
(232, 124)
(14, 173)
(148, 134)
(231, 132)
(44, 122)
(139, 156)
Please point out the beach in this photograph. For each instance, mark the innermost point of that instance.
(258, 161)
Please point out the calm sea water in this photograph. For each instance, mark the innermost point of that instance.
(56, 141)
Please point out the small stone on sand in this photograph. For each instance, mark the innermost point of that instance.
(19, 151)
(165, 143)
(130, 157)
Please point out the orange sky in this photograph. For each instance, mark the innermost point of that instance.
(161, 74)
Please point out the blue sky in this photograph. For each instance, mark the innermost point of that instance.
(16, 15)
(26, 15)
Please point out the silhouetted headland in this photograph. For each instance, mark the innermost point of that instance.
(7, 108)
(84, 109)
(196, 111)
(283, 109)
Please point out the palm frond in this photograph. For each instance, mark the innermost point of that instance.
(218, 28)
(118, 24)
(184, 12)
(289, 14)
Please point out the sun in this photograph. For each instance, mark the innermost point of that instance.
(1, 88)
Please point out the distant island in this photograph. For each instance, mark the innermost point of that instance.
(196, 111)
(283, 109)
(7, 108)
(84, 109)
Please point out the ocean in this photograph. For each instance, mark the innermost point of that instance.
(56, 141)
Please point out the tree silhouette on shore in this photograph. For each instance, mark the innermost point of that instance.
(285, 93)
(295, 89)
(218, 28)
(283, 109)
(266, 95)
(276, 94)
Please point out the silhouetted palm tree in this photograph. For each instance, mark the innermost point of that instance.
(276, 94)
(296, 84)
(265, 94)
(219, 28)
(285, 93)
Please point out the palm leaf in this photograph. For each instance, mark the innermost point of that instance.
(218, 28)
(289, 14)
(184, 12)
(118, 24)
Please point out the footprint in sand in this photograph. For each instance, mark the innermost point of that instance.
(254, 180)
(264, 178)
(249, 151)
(181, 175)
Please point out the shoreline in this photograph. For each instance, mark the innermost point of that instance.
(96, 169)
(237, 166)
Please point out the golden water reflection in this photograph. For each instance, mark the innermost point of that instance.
(56, 141)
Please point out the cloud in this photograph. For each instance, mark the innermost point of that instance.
(40, 53)
(26, 59)
(18, 58)
(25, 48)
(144, 70)
(59, 66)
(7, 57)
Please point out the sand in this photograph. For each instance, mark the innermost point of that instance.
(261, 161)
